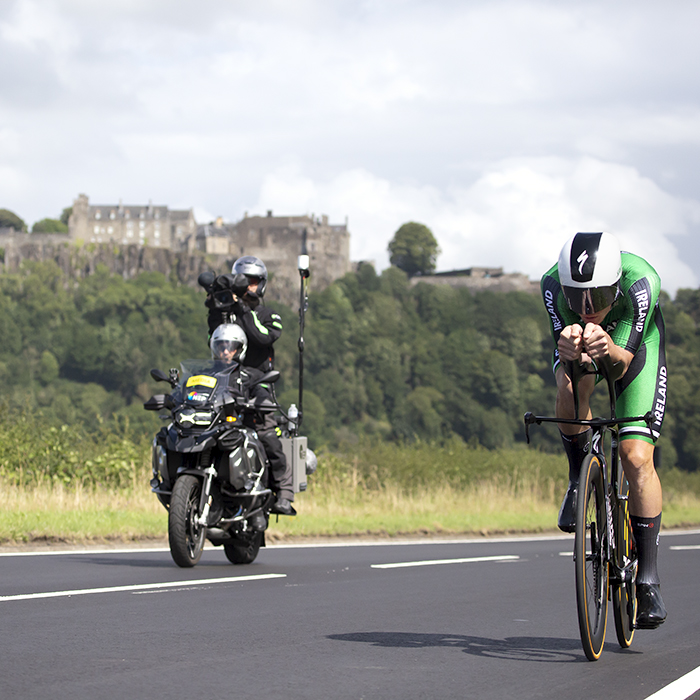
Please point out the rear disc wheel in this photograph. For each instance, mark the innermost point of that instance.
(624, 593)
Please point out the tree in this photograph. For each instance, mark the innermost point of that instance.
(49, 226)
(9, 219)
(65, 215)
(414, 249)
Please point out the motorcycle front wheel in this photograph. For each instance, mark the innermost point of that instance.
(244, 551)
(186, 537)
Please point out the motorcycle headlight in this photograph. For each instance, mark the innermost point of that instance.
(190, 417)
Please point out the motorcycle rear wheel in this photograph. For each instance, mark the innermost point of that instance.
(244, 551)
(186, 537)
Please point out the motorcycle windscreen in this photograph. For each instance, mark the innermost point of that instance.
(199, 389)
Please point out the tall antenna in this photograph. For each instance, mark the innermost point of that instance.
(303, 267)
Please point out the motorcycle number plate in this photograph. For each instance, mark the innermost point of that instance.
(201, 380)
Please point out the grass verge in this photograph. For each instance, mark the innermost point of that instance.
(379, 490)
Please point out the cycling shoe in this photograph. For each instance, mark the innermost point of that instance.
(567, 513)
(651, 611)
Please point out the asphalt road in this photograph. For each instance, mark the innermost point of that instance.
(500, 623)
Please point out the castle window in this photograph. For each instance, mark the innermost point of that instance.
(98, 214)
(142, 224)
(112, 214)
(127, 214)
(129, 233)
(110, 229)
(97, 229)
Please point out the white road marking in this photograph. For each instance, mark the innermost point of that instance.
(685, 546)
(680, 689)
(139, 587)
(434, 562)
(55, 552)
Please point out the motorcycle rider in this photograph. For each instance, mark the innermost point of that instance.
(262, 327)
(229, 344)
(602, 302)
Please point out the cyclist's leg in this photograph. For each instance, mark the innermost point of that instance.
(576, 441)
(644, 387)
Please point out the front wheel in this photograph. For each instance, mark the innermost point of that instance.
(244, 551)
(590, 558)
(624, 593)
(186, 537)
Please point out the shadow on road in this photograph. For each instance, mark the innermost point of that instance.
(154, 563)
(547, 649)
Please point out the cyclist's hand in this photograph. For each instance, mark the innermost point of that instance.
(596, 341)
(570, 343)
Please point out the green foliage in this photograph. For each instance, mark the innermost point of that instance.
(8, 219)
(81, 352)
(34, 452)
(384, 361)
(65, 215)
(49, 226)
(414, 249)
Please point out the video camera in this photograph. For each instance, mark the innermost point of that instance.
(223, 288)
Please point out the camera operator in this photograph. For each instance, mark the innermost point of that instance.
(237, 298)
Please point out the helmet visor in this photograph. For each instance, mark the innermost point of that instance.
(228, 349)
(590, 301)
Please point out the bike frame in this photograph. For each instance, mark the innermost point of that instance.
(621, 570)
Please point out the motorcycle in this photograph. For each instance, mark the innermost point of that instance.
(210, 470)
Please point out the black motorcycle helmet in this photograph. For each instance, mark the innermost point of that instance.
(250, 266)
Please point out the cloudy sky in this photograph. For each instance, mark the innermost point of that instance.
(504, 125)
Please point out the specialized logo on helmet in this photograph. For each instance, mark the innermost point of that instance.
(584, 251)
(581, 260)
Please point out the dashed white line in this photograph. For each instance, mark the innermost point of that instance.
(435, 562)
(680, 689)
(138, 587)
(685, 546)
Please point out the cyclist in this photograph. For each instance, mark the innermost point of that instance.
(262, 327)
(604, 302)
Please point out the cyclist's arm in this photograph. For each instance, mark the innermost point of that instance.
(597, 344)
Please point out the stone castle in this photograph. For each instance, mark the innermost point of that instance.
(129, 239)
(277, 240)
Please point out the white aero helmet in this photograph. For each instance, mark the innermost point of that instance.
(590, 267)
(228, 342)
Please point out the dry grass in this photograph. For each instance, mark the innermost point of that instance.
(57, 512)
(343, 501)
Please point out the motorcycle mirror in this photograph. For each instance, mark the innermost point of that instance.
(206, 279)
(159, 375)
(272, 376)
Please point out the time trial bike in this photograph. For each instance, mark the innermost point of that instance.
(604, 551)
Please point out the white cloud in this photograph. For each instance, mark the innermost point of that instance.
(487, 120)
(517, 215)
